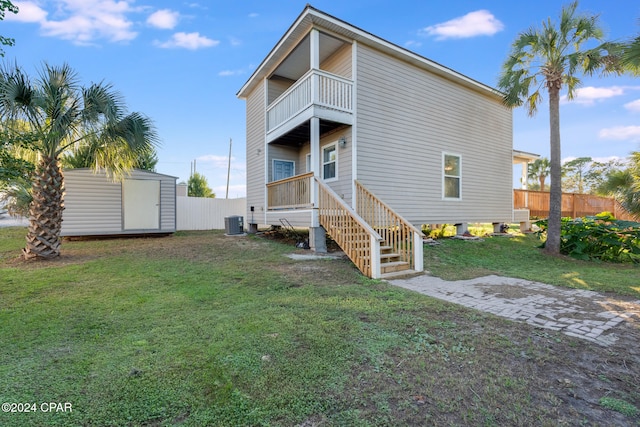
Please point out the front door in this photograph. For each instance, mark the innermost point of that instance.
(283, 169)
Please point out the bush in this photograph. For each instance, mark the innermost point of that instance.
(600, 237)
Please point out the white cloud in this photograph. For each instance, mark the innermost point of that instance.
(478, 23)
(29, 12)
(589, 95)
(227, 73)
(82, 21)
(191, 41)
(253, 15)
(633, 106)
(165, 19)
(412, 44)
(631, 133)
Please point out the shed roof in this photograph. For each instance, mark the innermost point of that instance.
(312, 17)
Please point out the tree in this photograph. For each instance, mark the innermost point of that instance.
(6, 6)
(574, 172)
(198, 186)
(90, 156)
(551, 58)
(539, 170)
(61, 114)
(624, 185)
(631, 56)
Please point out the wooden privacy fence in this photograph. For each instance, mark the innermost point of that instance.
(573, 205)
(203, 213)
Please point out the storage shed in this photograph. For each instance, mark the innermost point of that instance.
(95, 205)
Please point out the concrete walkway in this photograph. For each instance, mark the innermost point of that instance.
(579, 313)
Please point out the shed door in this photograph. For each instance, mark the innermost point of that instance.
(141, 204)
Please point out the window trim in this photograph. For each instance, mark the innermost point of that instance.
(445, 176)
(322, 150)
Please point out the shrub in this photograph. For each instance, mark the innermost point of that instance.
(600, 237)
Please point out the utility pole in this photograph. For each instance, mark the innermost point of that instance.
(229, 168)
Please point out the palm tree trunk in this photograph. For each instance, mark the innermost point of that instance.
(45, 213)
(552, 246)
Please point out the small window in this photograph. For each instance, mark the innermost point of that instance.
(451, 175)
(308, 158)
(329, 162)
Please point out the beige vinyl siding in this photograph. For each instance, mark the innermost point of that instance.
(255, 145)
(343, 186)
(407, 118)
(93, 203)
(339, 63)
(276, 86)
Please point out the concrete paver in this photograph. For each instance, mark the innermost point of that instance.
(579, 313)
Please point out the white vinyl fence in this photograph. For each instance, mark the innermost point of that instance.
(201, 213)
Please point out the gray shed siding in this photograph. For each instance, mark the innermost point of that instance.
(94, 203)
(407, 118)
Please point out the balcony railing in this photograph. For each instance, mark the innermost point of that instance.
(290, 193)
(314, 88)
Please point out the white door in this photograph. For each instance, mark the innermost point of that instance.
(141, 204)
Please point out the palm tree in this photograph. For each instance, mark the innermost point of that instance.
(64, 115)
(551, 58)
(539, 170)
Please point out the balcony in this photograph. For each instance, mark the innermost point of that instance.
(316, 94)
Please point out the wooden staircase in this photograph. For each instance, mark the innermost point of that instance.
(380, 243)
(391, 265)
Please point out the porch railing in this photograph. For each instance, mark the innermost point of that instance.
(573, 205)
(403, 237)
(359, 241)
(315, 87)
(290, 193)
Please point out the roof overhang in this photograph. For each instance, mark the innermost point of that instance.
(314, 18)
(524, 157)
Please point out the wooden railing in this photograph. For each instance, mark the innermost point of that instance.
(315, 87)
(404, 238)
(290, 193)
(359, 241)
(573, 205)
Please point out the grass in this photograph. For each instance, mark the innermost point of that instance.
(519, 256)
(202, 329)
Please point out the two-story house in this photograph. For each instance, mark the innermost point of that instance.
(357, 137)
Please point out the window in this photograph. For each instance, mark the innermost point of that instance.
(451, 176)
(329, 161)
(308, 158)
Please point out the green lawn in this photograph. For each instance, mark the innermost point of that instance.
(519, 256)
(202, 329)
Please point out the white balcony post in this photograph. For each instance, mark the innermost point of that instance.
(314, 40)
(314, 138)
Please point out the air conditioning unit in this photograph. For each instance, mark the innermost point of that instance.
(233, 225)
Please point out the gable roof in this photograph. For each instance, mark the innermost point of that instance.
(312, 17)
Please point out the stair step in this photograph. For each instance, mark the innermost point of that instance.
(400, 274)
(388, 257)
(389, 267)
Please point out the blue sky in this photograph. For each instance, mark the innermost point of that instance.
(182, 63)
